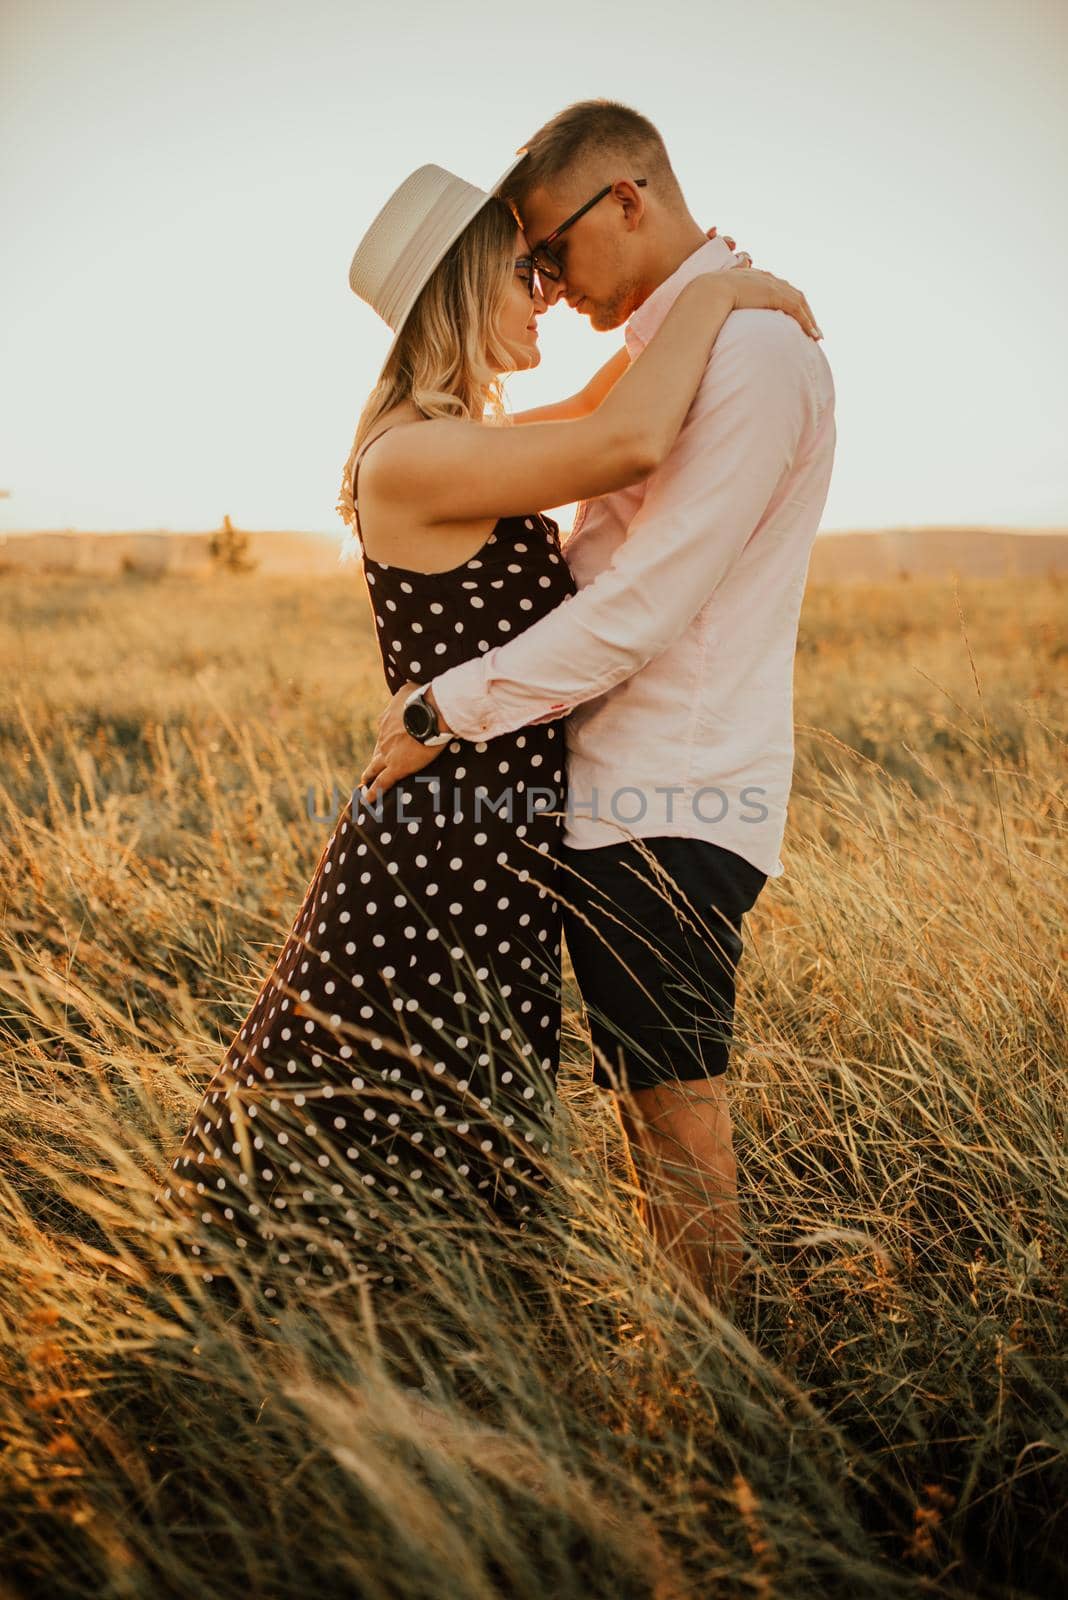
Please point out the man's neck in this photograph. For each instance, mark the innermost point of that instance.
(669, 254)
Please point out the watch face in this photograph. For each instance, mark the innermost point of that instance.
(420, 720)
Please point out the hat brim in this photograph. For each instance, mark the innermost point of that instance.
(446, 247)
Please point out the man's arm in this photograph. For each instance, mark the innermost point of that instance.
(739, 440)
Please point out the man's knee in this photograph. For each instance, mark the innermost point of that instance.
(686, 1120)
(677, 1098)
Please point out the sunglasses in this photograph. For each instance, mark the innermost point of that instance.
(543, 259)
(524, 266)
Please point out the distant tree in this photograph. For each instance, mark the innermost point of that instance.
(230, 549)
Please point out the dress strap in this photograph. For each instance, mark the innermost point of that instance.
(356, 475)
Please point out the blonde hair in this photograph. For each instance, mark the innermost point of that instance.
(451, 350)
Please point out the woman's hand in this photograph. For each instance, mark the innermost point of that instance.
(750, 289)
(729, 242)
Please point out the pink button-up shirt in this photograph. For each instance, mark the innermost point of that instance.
(677, 652)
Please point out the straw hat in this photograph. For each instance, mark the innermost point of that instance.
(411, 235)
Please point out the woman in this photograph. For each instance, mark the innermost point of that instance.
(393, 1079)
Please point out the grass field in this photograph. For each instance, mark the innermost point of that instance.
(886, 1414)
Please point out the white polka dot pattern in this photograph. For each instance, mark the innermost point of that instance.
(397, 1064)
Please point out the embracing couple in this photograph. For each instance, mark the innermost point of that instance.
(593, 740)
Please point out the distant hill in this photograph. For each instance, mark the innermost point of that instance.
(153, 554)
(937, 553)
(836, 557)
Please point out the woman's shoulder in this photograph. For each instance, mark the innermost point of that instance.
(401, 447)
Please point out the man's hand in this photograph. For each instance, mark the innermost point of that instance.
(396, 754)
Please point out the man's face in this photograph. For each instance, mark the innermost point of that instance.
(598, 252)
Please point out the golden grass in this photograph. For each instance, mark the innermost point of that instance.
(884, 1415)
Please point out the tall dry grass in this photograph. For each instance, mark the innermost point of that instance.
(884, 1415)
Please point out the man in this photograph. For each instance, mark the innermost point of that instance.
(677, 653)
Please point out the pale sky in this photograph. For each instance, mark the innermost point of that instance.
(183, 183)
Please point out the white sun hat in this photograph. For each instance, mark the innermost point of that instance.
(411, 235)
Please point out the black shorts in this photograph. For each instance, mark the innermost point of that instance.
(654, 945)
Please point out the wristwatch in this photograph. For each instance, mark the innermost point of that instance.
(420, 719)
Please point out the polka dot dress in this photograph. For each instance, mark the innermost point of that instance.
(391, 1084)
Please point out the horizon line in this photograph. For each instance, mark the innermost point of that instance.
(1040, 530)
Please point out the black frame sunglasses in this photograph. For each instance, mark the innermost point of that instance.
(543, 259)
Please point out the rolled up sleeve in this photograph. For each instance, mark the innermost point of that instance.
(701, 508)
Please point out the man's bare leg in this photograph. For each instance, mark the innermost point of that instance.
(681, 1145)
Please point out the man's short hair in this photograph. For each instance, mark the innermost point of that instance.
(589, 133)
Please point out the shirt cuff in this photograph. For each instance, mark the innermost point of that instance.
(470, 713)
(459, 698)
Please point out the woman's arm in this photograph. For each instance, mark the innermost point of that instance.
(590, 397)
(587, 399)
(447, 470)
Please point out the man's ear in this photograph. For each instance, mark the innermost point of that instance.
(631, 201)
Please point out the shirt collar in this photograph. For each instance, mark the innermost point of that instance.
(713, 256)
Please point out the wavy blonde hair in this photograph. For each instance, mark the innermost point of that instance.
(451, 350)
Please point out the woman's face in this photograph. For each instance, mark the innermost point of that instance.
(520, 313)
